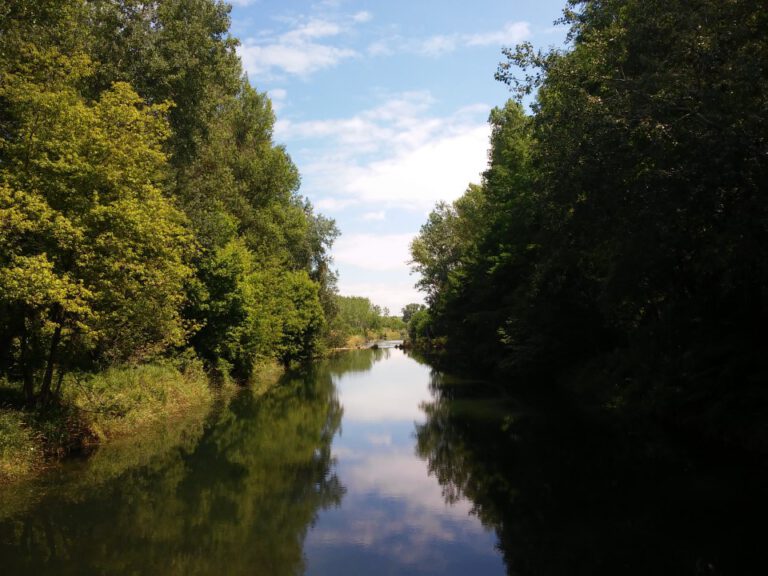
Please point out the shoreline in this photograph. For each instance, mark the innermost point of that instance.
(142, 401)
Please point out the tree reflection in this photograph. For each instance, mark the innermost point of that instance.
(240, 502)
(567, 498)
(356, 360)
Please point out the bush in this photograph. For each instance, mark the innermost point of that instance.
(20, 451)
(120, 400)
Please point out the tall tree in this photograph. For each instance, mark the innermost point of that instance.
(94, 256)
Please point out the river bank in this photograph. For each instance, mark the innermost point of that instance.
(97, 409)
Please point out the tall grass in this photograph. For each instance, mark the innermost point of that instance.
(120, 400)
(20, 447)
(96, 407)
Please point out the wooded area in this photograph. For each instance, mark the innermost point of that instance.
(618, 242)
(145, 207)
(152, 237)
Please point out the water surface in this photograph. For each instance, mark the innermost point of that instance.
(394, 518)
(375, 463)
(319, 476)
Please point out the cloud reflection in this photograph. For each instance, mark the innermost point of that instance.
(393, 508)
(392, 391)
(394, 519)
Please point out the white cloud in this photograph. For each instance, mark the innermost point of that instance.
(512, 33)
(278, 96)
(299, 51)
(299, 59)
(312, 30)
(362, 16)
(434, 46)
(379, 439)
(330, 204)
(380, 215)
(373, 251)
(397, 160)
(395, 155)
(436, 170)
(381, 48)
(438, 45)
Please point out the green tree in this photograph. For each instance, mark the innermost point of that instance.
(301, 313)
(622, 225)
(176, 51)
(241, 196)
(410, 309)
(94, 257)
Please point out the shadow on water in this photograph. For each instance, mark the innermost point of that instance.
(565, 497)
(237, 498)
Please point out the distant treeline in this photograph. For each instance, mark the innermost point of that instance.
(358, 320)
(144, 208)
(619, 237)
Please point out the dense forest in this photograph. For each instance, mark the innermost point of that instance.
(151, 231)
(145, 207)
(618, 242)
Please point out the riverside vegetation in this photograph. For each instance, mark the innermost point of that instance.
(358, 321)
(618, 242)
(152, 236)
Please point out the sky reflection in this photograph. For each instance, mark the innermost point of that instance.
(393, 519)
(391, 391)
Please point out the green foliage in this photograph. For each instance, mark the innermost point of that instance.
(240, 194)
(144, 209)
(116, 402)
(410, 309)
(420, 329)
(301, 316)
(625, 217)
(143, 202)
(119, 401)
(94, 256)
(358, 320)
(178, 51)
(20, 452)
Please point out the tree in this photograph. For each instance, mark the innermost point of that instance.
(622, 225)
(146, 203)
(410, 309)
(302, 318)
(94, 256)
(176, 51)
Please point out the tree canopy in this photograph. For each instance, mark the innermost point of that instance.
(624, 219)
(144, 204)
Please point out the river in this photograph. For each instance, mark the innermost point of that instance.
(374, 463)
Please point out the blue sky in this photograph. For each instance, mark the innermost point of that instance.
(383, 107)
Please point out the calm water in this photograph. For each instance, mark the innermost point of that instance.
(374, 463)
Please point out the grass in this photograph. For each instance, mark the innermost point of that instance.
(265, 376)
(20, 447)
(119, 401)
(94, 408)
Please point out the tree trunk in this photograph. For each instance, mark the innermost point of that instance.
(59, 381)
(45, 388)
(26, 365)
(6, 340)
